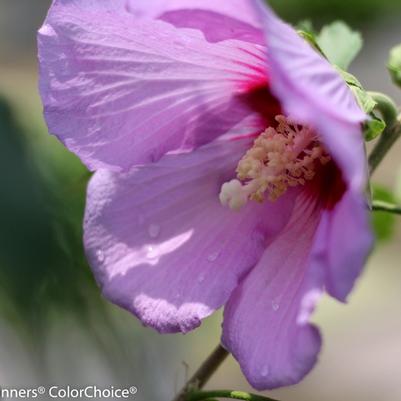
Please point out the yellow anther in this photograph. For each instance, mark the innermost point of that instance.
(281, 157)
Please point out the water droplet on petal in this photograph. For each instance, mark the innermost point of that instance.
(154, 230)
(265, 371)
(213, 256)
(151, 252)
(275, 305)
(201, 278)
(100, 255)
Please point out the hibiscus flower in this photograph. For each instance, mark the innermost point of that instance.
(229, 169)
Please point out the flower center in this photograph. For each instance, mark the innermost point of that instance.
(281, 157)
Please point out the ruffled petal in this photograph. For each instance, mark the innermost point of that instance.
(162, 246)
(266, 321)
(343, 243)
(120, 91)
(314, 93)
(217, 20)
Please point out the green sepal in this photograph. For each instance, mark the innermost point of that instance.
(373, 128)
(311, 39)
(366, 102)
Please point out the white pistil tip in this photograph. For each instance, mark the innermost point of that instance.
(233, 195)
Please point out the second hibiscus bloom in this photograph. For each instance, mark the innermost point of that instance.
(230, 169)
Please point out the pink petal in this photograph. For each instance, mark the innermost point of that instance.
(218, 20)
(161, 245)
(313, 92)
(266, 321)
(343, 243)
(119, 91)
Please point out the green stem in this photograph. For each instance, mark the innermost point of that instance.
(381, 206)
(386, 106)
(203, 374)
(392, 132)
(229, 394)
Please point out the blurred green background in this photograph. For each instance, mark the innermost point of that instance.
(54, 325)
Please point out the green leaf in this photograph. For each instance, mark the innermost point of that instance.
(383, 223)
(373, 128)
(42, 261)
(394, 65)
(340, 44)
